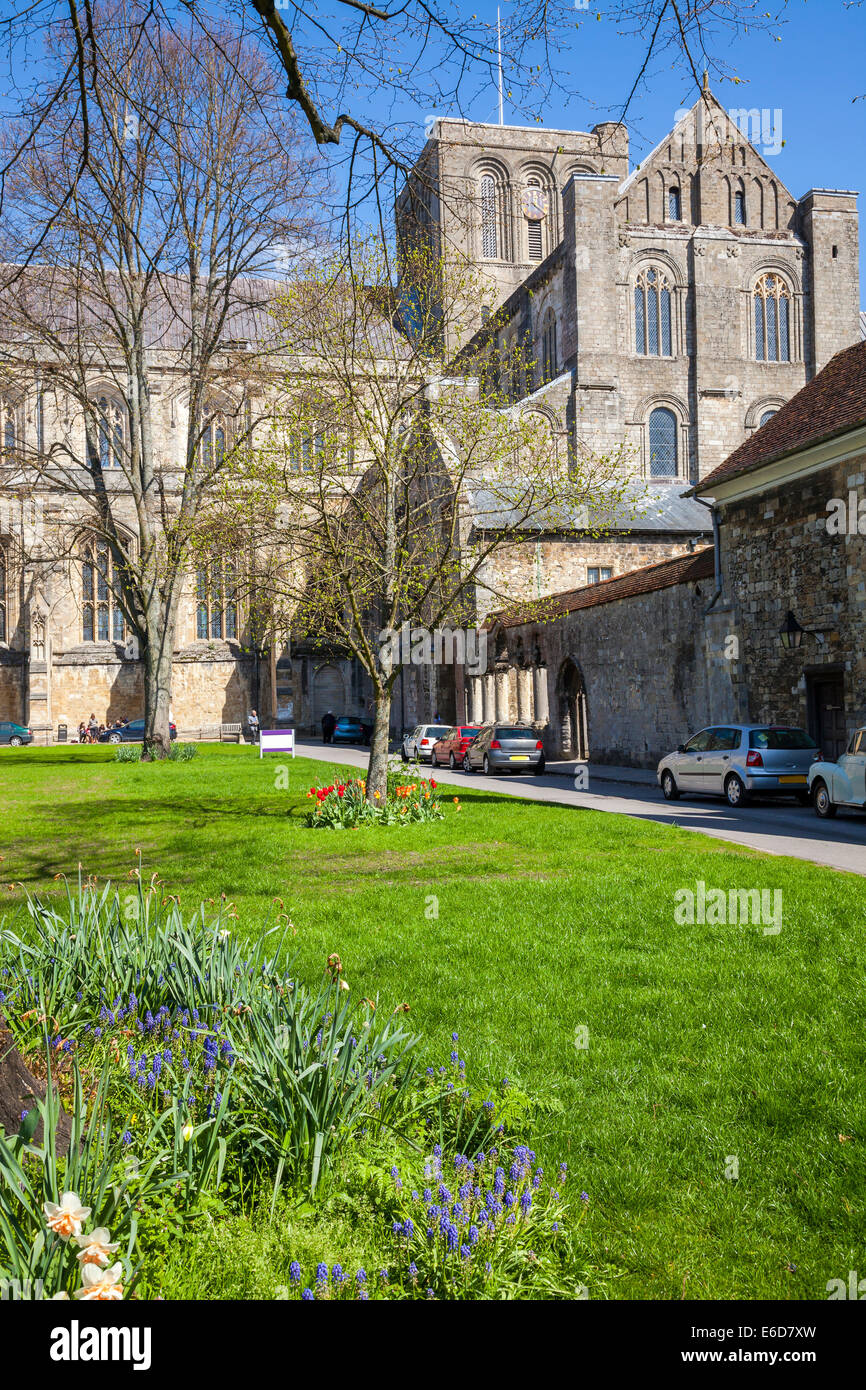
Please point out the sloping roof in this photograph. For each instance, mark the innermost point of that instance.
(654, 508)
(684, 569)
(832, 403)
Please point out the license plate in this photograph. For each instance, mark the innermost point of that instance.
(518, 758)
(799, 778)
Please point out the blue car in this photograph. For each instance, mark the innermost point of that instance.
(348, 730)
(15, 734)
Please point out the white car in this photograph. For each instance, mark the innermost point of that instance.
(842, 783)
(419, 742)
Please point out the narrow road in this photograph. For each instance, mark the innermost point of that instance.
(775, 827)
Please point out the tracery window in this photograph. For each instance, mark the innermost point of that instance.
(216, 599)
(111, 433)
(489, 217)
(2, 594)
(213, 440)
(102, 615)
(772, 306)
(7, 418)
(652, 313)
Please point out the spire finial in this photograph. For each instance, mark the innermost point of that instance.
(706, 87)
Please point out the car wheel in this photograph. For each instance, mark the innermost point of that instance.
(486, 765)
(15, 741)
(114, 738)
(467, 766)
(404, 755)
(539, 767)
(452, 762)
(735, 792)
(670, 790)
(824, 805)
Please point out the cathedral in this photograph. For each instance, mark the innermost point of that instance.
(672, 307)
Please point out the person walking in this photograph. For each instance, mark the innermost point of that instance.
(92, 728)
(329, 724)
(253, 721)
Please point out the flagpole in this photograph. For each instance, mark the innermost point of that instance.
(499, 55)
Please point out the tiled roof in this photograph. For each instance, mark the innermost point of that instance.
(683, 569)
(832, 403)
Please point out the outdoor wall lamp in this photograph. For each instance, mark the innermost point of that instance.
(791, 633)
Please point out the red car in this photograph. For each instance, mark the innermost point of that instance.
(451, 748)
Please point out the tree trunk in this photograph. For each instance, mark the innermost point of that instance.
(157, 689)
(377, 767)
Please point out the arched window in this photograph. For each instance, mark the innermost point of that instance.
(652, 314)
(217, 603)
(675, 210)
(739, 208)
(111, 434)
(663, 443)
(767, 415)
(489, 217)
(213, 440)
(772, 320)
(102, 615)
(2, 594)
(9, 431)
(548, 347)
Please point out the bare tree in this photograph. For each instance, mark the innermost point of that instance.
(356, 502)
(150, 280)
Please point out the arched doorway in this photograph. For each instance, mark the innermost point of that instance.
(328, 693)
(573, 711)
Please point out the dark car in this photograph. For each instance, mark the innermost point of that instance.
(450, 749)
(348, 730)
(131, 733)
(505, 748)
(16, 734)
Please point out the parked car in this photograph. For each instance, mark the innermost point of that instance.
(418, 743)
(130, 733)
(348, 730)
(739, 761)
(505, 748)
(840, 783)
(450, 748)
(15, 734)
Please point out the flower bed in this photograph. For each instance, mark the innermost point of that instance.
(344, 805)
(204, 1081)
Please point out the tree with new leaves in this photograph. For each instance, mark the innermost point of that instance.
(145, 307)
(355, 502)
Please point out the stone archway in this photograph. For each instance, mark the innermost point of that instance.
(328, 693)
(573, 711)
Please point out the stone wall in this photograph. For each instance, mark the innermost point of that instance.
(778, 556)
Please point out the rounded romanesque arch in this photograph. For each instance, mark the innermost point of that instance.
(572, 710)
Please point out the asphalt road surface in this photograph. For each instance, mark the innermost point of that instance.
(776, 827)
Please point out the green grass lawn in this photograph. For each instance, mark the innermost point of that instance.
(706, 1043)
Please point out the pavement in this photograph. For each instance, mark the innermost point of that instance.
(774, 827)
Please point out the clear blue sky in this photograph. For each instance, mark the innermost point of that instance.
(811, 73)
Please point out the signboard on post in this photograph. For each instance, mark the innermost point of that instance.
(276, 741)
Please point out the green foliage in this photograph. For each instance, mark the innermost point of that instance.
(177, 753)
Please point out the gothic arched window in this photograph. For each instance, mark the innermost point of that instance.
(652, 314)
(111, 434)
(216, 595)
(663, 443)
(548, 347)
(2, 594)
(675, 210)
(9, 430)
(772, 320)
(102, 615)
(213, 440)
(739, 208)
(489, 217)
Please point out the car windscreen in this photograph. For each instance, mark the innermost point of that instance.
(468, 733)
(435, 731)
(518, 735)
(780, 738)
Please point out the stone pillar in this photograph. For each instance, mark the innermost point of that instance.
(542, 709)
(488, 703)
(501, 679)
(524, 695)
(475, 710)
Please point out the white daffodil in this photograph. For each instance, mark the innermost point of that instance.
(101, 1284)
(187, 1133)
(67, 1216)
(95, 1247)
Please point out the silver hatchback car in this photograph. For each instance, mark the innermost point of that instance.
(505, 748)
(738, 761)
(418, 743)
